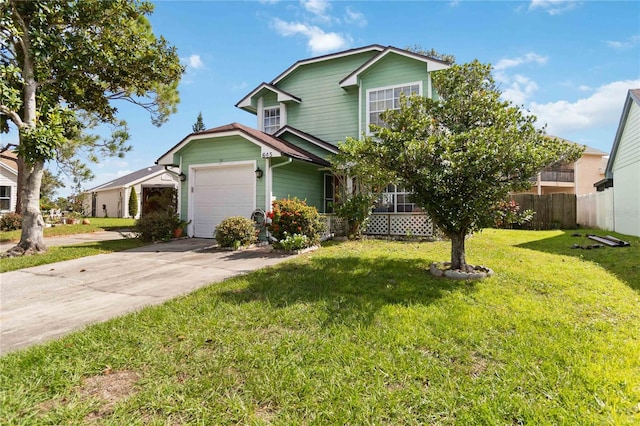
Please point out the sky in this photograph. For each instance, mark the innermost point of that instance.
(569, 62)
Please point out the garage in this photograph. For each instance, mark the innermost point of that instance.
(218, 192)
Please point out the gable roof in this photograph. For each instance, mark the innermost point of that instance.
(258, 137)
(432, 64)
(298, 64)
(8, 159)
(633, 96)
(245, 103)
(130, 179)
(307, 137)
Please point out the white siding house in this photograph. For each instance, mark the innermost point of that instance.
(623, 169)
(111, 199)
(8, 182)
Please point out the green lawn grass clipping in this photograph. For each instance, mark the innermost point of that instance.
(360, 333)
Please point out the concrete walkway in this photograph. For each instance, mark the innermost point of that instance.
(44, 302)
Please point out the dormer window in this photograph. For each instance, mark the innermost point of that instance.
(271, 120)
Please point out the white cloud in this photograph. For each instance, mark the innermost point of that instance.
(353, 17)
(521, 89)
(318, 41)
(625, 44)
(317, 7)
(603, 107)
(518, 87)
(530, 57)
(195, 62)
(554, 7)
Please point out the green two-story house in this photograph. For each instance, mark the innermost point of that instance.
(302, 115)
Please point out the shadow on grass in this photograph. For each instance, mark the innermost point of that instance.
(107, 245)
(351, 289)
(623, 262)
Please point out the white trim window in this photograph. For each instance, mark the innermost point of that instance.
(395, 199)
(5, 198)
(381, 99)
(271, 120)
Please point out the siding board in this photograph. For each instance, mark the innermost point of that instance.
(300, 180)
(219, 151)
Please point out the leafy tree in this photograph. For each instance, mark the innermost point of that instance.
(199, 124)
(133, 203)
(360, 183)
(464, 152)
(50, 184)
(432, 53)
(62, 63)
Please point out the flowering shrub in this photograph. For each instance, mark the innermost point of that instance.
(10, 222)
(507, 214)
(294, 216)
(236, 232)
(294, 242)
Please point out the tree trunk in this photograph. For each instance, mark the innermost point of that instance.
(32, 237)
(458, 259)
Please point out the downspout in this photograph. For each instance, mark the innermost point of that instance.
(289, 161)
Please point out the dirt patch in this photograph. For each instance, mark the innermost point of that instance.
(478, 365)
(107, 389)
(110, 388)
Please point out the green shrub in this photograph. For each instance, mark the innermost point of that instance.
(133, 203)
(236, 232)
(293, 216)
(156, 226)
(507, 215)
(294, 242)
(10, 222)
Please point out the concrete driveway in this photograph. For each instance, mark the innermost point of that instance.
(41, 303)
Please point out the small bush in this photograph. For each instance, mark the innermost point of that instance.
(507, 215)
(133, 202)
(294, 242)
(236, 232)
(10, 222)
(156, 226)
(293, 216)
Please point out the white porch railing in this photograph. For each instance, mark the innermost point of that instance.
(387, 224)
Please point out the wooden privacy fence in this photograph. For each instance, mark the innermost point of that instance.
(553, 211)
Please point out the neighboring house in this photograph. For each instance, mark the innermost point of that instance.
(8, 182)
(576, 178)
(622, 175)
(111, 199)
(301, 114)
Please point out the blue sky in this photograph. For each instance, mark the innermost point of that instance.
(569, 62)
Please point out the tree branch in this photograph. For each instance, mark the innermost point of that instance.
(13, 116)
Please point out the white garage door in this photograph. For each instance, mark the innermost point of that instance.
(220, 192)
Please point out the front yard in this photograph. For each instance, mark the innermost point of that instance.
(97, 224)
(360, 333)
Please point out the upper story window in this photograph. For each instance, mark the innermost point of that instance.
(5, 197)
(384, 98)
(271, 120)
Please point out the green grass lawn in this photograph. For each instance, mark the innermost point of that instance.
(360, 333)
(97, 224)
(61, 253)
